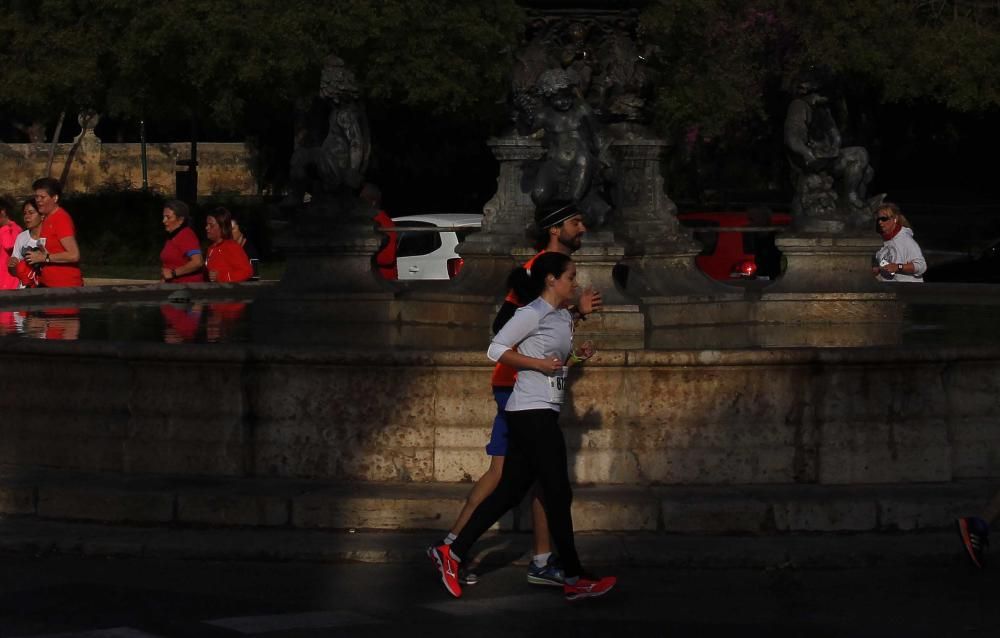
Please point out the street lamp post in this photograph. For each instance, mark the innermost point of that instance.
(142, 154)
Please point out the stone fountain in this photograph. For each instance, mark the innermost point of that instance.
(361, 404)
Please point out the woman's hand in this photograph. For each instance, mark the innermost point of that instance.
(213, 275)
(549, 366)
(167, 274)
(582, 353)
(12, 262)
(34, 257)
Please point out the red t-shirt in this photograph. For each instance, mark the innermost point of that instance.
(56, 226)
(228, 259)
(178, 250)
(504, 376)
(8, 235)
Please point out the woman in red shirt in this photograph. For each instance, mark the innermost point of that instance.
(9, 230)
(181, 260)
(59, 254)
(226, 259)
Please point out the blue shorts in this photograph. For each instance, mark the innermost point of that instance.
(498, 437)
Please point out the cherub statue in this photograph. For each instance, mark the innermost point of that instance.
(573, 166)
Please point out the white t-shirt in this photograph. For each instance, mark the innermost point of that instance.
(541, 331)
(22, 244)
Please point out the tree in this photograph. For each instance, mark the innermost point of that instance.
(52, 62)
(729, 65)
(215, 60)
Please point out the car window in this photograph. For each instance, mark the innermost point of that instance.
(421, 243)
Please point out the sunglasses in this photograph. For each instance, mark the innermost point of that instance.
(883, 219)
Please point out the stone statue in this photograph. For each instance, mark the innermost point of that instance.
(577, 58)
(88, 120)
(336, 164)
(624, 80)
(573, 167)
(830, 181)
(532, 58)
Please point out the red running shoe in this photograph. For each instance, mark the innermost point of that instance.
(448, 566)
(589, 588)
(975, 534)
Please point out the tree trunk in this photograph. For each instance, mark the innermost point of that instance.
(64, 177)
(55, 140)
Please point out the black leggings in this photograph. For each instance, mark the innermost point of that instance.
(536, 451)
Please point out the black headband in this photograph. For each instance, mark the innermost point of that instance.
(555, 217)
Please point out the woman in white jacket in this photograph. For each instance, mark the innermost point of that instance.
(538, 342)
(899, 258)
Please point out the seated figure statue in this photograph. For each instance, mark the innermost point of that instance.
(573, 161)
(830, 181)
(334, 160)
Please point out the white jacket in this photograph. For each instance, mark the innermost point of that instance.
(902, 249)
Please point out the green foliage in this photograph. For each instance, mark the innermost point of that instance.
(228, 60)
(54, 55)
(439, 56)
(727, 61)
(716, 57)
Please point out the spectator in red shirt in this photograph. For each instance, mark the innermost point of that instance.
(226, 259)
(181, 260)
(9, 230)
(58, 254)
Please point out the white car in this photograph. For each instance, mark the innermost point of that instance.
(429, 255)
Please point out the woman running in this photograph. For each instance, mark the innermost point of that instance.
(542, 332)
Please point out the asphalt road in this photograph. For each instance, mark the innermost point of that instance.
(138, 598)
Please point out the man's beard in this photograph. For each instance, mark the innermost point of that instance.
(573, 243)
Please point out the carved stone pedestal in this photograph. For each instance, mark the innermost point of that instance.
(507, 220)
(659, 254)
(828, 280)
(824, 263)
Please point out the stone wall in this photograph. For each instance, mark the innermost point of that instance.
(636, 417)
(222, 167)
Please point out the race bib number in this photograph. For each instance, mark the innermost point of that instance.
(557, 386)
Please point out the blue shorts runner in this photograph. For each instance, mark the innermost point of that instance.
(498, 437)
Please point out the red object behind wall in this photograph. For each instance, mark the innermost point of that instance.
(385, 258)
(728, 255)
